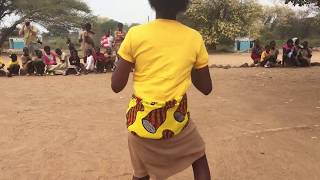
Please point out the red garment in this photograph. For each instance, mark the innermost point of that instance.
(49, 59)
(100, 57)
(105, 42)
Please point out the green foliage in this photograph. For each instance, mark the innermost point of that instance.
(283, 23)
(303, 2)
(221, 21)
(61, 15)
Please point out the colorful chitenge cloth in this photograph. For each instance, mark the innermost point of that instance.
(157, 120)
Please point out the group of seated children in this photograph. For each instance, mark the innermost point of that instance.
(294, 54)
(58, 62)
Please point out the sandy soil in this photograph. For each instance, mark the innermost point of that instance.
(258, 124)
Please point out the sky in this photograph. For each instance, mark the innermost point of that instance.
(130, 11)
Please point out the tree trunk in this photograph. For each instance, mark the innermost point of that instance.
(6, 32)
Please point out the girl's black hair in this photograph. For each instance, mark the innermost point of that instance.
(170, 7)
(38, 53)
(290, 41)
(58, 51)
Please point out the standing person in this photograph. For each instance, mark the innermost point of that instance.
(13, 67)
(119, 36)
(256, 52)
(29, 32)
(107, 40)
(86, 39)
(162, 138)
(305, 54)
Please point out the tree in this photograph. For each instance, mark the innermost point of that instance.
(221, 21)
(65, 14)
(303, 2)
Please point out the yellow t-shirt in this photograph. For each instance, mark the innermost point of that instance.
(13, 63)
(164, 53)
(264, 55)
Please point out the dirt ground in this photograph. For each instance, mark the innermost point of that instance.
(259, 124)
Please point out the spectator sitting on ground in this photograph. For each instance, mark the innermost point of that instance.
(62, 67)
(256, 52)
(50, 60)
(288, 58)
(267, 59)
(111, 58)
(38, 63)
(75, 65)
(274, 52)
(101, 61)
(305, 54)
(13, 67)
(27, 64)
(296, 49)
(2, 72)
(90, 61)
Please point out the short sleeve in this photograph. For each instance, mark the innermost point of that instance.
(125, 50)
(202, 56)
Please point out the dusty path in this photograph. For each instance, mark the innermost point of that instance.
(260, 124)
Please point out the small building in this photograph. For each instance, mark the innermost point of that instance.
(243, 44)
(16, 43)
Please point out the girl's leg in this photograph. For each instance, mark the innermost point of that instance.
(201, 169)
(144, 178)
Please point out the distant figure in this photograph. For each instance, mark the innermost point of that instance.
(86, 40)
(305, 54)
(119, 36)
(266, 57)
(75, 64)
(256, 52)
(62, 66)
(107, 40)
(27, 63)
(38, 63)
(70, 45)
(90, 61)
(29, 32)
(296, 49)
(2, 65)
(288, 58)
(13, 67)
(274, 52)
(50, 60)
(101, 61)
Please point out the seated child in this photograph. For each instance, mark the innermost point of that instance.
(267, 58)
(90, 61)
(2, 72)
(305, 55)
(274, 52)
(61, 68)
(288, 58)
(256, 52)
(14, 67)
(101, 61)
(111, 57)
(75, 65)
(27, 64)
(38, 63)
(49, 60)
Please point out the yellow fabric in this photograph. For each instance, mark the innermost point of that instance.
(264, 55)
(30, 35)
(157, 120)
(13, 63)
(164, 53)
(1, 62)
